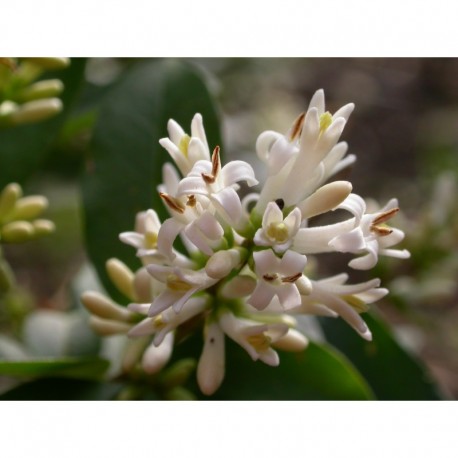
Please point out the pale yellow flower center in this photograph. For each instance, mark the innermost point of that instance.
(260, 342)
(356, 303)
(278, 232)
(325, 121)
(159, 322)
(175, 283)
(150, 239)
(184, 144)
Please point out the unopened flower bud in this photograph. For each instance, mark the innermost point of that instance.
(105, 327)
(143, 286)
(43, 227)
(179, 373)
(155, 358)
(29, 207)
(36, 110)
(239, 286)
(7, 108)
(221, 263)
(326, 198)
(133, 353)
(103, 307)
(41, 90)
(292, 341)
(17, 232)
(49, 63)
(211, 367)
(122, 277)
(8, 199)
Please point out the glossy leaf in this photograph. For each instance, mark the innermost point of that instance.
(391, 371)
(126, 160)
(24, 148)
(62, 389)
(317, 373)
(87, 368)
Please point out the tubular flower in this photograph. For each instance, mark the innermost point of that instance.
(244, 274)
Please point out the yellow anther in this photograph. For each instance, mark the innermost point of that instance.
(325, 121)
(175, 283)
(184, 144)
(260, 342)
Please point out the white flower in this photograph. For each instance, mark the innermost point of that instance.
(165, 322)
(185, 150)
(278, 277)
(156, 357)
(255, 338)
(301, 167)
(147, 225)
(347, 301)
(219, 185)
(192, 220)
(180, 283)
(370, 234)
(276, 231)
(363, 233)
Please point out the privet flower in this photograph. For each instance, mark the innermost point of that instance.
(245, 274)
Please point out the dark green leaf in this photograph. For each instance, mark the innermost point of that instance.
(126, 164)
(88, 368)
(318, 373)
(24, 148)
(61, 389)
(392, 373)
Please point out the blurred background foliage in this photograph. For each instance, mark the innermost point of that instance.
(403, 132)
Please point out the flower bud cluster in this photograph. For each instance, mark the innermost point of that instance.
(245, 273)
(24, 100)
(18, 216)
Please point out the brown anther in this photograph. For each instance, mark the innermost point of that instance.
(297, 127)
(210, 178)
(292, 278)
(216, 163)
(269, 277)
(191, 201)
(385, 216)
(381, 230)
(172, 202)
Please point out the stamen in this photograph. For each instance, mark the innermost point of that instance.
(172, 202)
(296, 129)
(270, 277)
(158, 322)
(192, 201)
(385, 216)
(381, 230)
(216, 165)
(292, 278)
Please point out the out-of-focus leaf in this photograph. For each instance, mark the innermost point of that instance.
(61, 389)
(24, 148)
(317, 373)
(392, 372)
(125, 167)
(87, 368)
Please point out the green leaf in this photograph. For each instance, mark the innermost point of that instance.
(126, 161)
(317, 373)
(392, 372)
(61, 389)
(24, 148)
(87, 368)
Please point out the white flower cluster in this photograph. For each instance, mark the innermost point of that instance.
(245, 272)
